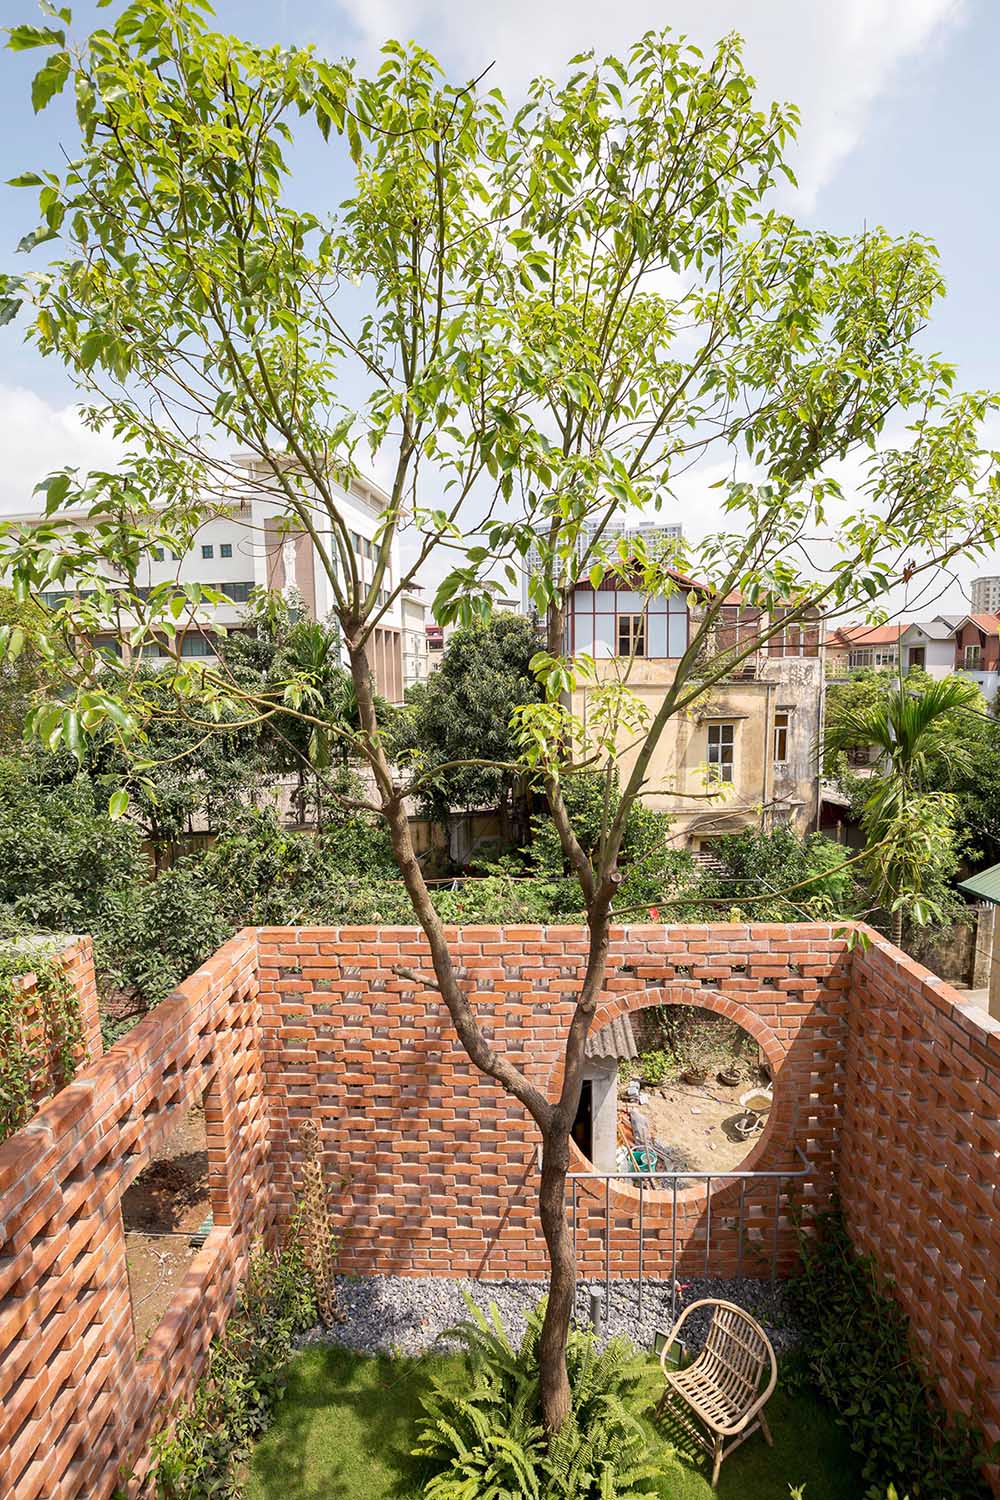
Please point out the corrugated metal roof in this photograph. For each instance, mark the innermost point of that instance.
(614, 1040)
(985, 885)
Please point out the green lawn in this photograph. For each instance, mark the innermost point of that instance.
(346, 1423)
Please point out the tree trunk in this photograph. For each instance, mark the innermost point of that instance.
(553, 1380)
(896, 931)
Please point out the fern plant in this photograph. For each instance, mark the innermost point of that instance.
(485, 1441)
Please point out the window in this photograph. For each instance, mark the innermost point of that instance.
(631, 635)
(197, 645)
(207, 550)
(782, 723)
(918, 656)
(159, 554)
(239, 592)
(721, 741)
(972, 658)
(226, 549)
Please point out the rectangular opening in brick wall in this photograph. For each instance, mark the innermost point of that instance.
(166, 1214)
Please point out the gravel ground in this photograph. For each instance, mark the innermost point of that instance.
(405, 1315)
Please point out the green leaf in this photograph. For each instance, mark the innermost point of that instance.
(26, 179)
(118, 803)
(20, 38)
(49, 80)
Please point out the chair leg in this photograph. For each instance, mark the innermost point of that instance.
(718, 1462)
(769, 1440)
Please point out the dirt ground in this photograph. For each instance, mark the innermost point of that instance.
(162, 1209)
(696, 1122)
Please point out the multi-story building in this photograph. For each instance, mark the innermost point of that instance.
(416, 655)
(653, 533)
(930, 645)
(854, 646)
(984, 596)
(745, 755)
(246, 544)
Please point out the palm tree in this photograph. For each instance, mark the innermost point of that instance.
(917, 736)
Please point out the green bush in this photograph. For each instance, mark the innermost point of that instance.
(485, 1441)
(654, 1067)
(198, 1458)
(858, 1350)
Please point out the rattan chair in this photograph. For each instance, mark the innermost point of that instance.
(722, 1385)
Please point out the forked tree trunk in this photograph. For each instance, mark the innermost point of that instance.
(554, 1118)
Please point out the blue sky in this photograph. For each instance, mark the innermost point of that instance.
(898, 99)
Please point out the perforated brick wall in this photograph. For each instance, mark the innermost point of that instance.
(920, 1166)
(75, 1400)
(438, 1165)
(881, 1077)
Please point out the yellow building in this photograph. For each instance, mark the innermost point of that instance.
(743, 755)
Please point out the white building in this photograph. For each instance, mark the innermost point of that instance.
(652, 532)
(930, 645)
(416, 655)
(985, 596)
(248, 545)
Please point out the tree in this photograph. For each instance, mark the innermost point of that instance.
(917, 733)
(27, 672)
(533, 321)
(861, 691)
(461, 718)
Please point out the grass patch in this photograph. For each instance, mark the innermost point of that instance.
(345, 1425)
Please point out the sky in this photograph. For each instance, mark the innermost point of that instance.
(899, 128)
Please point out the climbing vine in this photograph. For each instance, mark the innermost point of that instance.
(49, 1051)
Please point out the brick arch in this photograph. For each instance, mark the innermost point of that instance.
(774, 1146)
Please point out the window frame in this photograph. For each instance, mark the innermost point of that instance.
(782, 735)
(207, 551)
(225, 549)
(975, 664)
(718, 764)
(634, 623)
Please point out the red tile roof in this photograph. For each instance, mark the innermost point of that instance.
(866, 635)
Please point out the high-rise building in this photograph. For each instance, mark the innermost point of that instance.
(651, 532)
(985, 596)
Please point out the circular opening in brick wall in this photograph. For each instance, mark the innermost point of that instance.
(678, 1080)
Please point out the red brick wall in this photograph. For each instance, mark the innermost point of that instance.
(77, 960)
(75, 1401)
(438, 1166)
(920, 1166)
(879, 1071)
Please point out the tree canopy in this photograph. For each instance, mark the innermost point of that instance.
(532, 320)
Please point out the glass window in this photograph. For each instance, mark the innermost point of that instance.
(159, 553)
(152, 648)
(631, 635)
(972, 657)
(197, 645)
(721, 742)
(782, 720)
(677, 636)
(207, 550)
(226, 549)
(657, 635)
(604, 601)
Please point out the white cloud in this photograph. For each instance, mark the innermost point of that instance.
(39, 438)
(834, 58)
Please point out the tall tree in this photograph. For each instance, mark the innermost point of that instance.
(916, 734)
(464, 713)
(548, 315)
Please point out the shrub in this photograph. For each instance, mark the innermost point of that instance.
(858, 1350)
(485, 1440)
(654, 1067)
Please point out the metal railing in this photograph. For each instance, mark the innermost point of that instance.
(651, 1181)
